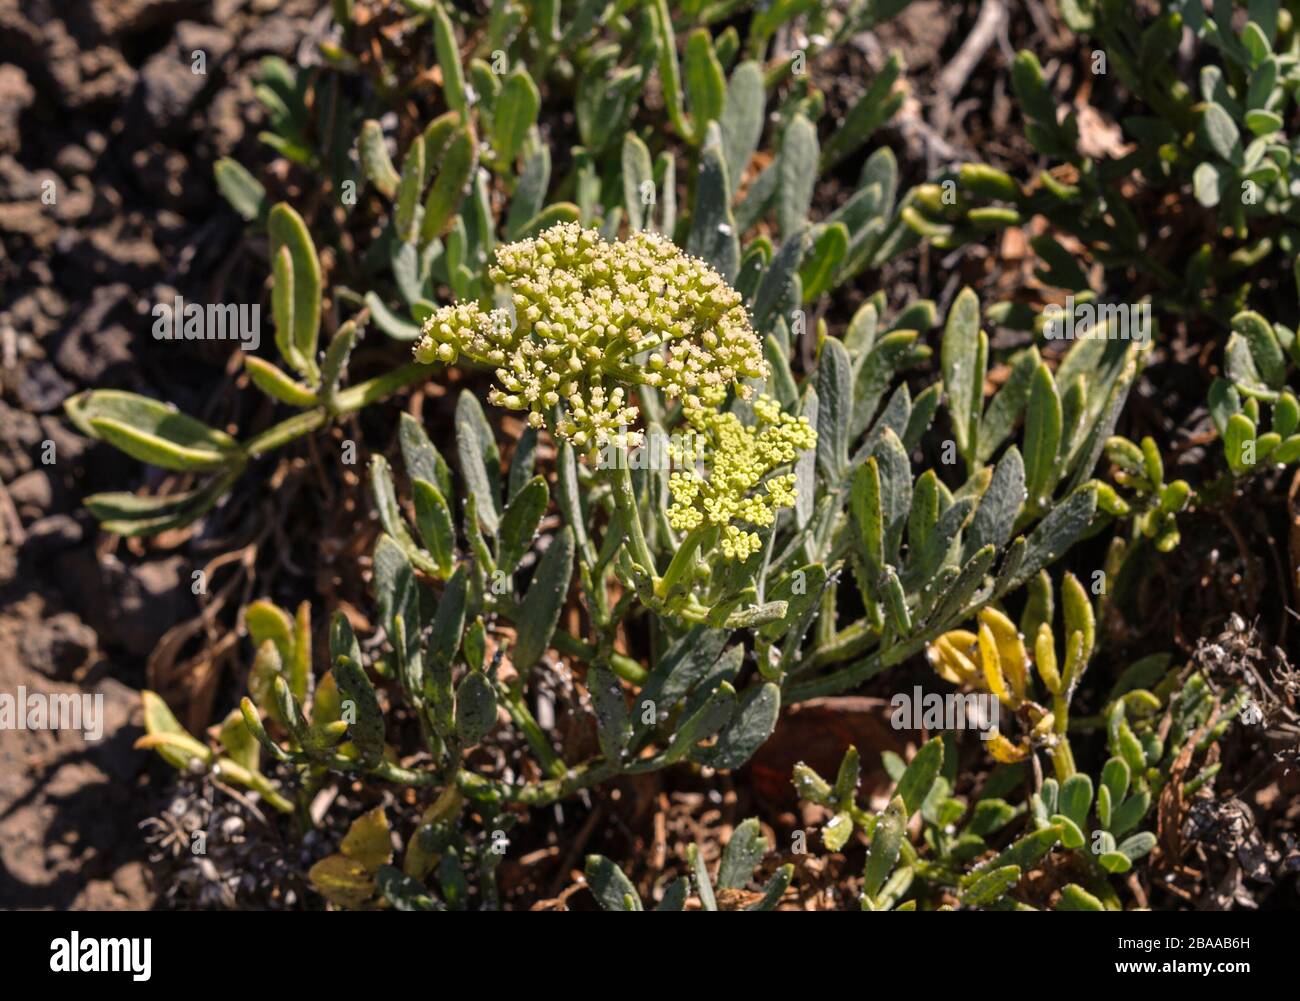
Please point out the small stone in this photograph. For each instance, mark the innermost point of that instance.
(119, 17)
(274, 36)
(168, 89)
(58, 645)
(16, 96)
(41, 389)
(33, 492)
(17, 183)
(20, 434)
(73, 159)
(51, 534)
(94, 348)
(213, 42)
(150, 599)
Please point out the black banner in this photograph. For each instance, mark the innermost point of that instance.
(140, 951)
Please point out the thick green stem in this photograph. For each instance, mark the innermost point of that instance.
(848, 643)
(373, 390)
(826, 618)
(625, 502)
(254, 780)
(349, 400)
(286, 431)
(1062, 754)
(1063, 759)
(523, 718)
(620, 663)
(595, 592)
(854, 674)
(682, 560)
(537, 793)
(482, 789)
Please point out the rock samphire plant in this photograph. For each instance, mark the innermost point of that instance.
(734, 558)
(1161, 724)
(679, 480)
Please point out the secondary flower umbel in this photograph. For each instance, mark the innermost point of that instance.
(740, 490)
(589, 321)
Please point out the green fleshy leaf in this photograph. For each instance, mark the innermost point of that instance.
(541, 606)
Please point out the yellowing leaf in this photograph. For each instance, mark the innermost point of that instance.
(1074, 661)
(1004, 751)
(299, 667)
(326, 708)
(1011, 649)
(342, 881)
(1079, 615)
(177, 748)
(239, 743)
(267, 621)
(1045, 658)
(368, 841)
(992, 665)
(948, 660)
(166, 735)
(261, 678)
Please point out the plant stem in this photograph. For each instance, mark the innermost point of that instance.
(254, 780)
(349, 400)
(682, 560)
(625, 502)
(537, 793)
(620, 663)
(373, 390)
(383, 769)
(523, 718)
(854, 674)
(595, 594)
(1063, 759)
(1062, 754)
(850, 641)
(279, 435)
(826, 632)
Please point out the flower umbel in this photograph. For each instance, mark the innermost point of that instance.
(740, 489)
(589, 321)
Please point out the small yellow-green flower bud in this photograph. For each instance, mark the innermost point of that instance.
(739, 487)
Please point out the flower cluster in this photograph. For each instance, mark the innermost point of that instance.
(589, 321)
(740, 488)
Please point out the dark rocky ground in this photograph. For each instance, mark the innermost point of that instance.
(107, 204)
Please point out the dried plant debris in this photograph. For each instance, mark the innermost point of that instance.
(214, 849)
(1228, 847)
(1239, 656)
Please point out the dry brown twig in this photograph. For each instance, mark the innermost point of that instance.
(991, 20)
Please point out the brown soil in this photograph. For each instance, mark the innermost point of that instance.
(99, 98)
